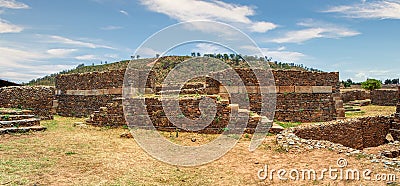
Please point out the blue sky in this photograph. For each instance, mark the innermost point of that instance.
(360, 39)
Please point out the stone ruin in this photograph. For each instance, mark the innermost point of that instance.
(22, 108)
(38, 99)
(18, 121)
(301, 97)
(350, 137)
(380, 97)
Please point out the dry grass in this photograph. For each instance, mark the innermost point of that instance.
(372, 110)
(65, 155)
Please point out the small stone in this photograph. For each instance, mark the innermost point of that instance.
(355, 152)
(387, 163)
(80, 125)
(375, 161)
(126, 135)
(389, 137)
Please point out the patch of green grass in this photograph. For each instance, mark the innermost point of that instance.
(51, 125)
(217, 120)
(288, 124)
(5, 148)
(225, 129)
(70, 153)
(281, 149)
(23, 164)
(355, 114)
(361, 156)
(6, 117)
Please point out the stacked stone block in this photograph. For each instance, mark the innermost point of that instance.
(384, 97)
(79, 95)
(353, 95)
(39, 99)
(358, 133)
(300, 96)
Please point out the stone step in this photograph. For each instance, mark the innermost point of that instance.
(20, 123)
(167, 92)
(359, 103)
(352, 109)
(21, 129)
(276, 129)
(15, 117)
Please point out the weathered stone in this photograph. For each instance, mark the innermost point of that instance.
(286, 89)
(39, 99)
(304, 89)
(322, 89)
(384, 97)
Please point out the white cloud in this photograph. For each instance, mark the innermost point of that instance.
(277, 55)
(6, 27)
(68, 41)
(369, 10)
(124, 12)
(262, 27)
(22, 65)
(315, 30)
(12, 4)
(361, 75)
(61, 52)
(191, 10)
(32, 72)
(111, 27)
(283, 56)
(147, 52)
(11, 57)
(281, 48)
(87, 58)
(207, 48)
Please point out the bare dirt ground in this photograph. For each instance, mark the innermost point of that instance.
(65, 155)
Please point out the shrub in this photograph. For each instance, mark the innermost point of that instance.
(371, 84)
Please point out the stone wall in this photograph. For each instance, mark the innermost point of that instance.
(357, 133)
(301, 96)
(353, 95)
(384, 97)
(38, 99)
(112, 115)
(79, 95)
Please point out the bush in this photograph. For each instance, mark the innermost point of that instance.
(371, 84)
